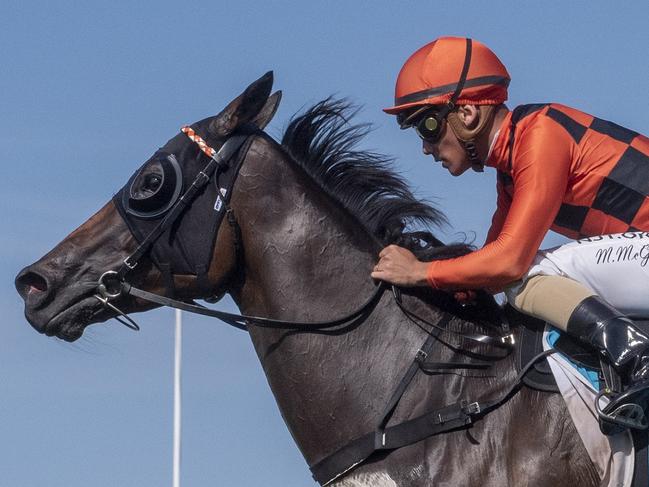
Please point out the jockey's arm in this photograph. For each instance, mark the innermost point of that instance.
(540, 176)
(502, 209)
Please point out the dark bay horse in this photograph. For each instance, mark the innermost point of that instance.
(312, 214)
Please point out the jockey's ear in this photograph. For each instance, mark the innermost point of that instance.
(469, 115)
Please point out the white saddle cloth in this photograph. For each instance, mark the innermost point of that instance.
(613, 456)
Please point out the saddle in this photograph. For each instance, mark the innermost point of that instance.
(531, 343)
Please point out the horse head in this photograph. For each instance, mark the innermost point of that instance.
(60, 289)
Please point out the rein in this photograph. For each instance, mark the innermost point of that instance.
(243, 322)
(112, 285)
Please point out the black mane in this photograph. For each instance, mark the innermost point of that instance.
(323, 142)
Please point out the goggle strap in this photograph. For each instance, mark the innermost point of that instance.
(450, 105)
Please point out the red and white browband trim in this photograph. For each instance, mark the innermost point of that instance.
(187, 130)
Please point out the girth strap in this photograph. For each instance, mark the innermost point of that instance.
(379, 434)
(406, 433)
(447, 418)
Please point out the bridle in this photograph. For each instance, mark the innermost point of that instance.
(113, 285)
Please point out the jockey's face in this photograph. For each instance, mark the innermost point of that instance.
(448, 150)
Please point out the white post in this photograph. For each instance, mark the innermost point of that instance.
(177, 403)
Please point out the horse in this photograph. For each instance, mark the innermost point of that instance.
(301, 227)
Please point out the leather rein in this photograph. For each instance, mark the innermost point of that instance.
(113, 284)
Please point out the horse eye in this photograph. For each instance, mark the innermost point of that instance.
(154, 188)
(151, 182)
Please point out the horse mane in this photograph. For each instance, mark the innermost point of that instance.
(323, 142)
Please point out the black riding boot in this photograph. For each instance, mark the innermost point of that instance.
(626, 348)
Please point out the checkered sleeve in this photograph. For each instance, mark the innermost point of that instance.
(540, 169)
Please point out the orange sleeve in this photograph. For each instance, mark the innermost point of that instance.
(502, 209)
(540, 172)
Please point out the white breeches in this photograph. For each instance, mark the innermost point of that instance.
(615, 267)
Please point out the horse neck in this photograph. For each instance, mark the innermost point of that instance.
(299, 245)
(307, 260)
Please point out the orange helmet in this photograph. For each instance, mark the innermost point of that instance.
(451, 70)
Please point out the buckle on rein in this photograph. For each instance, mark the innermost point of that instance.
(472, 408)
(127, 263)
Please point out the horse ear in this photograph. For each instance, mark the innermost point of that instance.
(243, 108)
(268, 112)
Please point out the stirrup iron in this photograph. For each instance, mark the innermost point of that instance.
(622, 411)
(614, 419)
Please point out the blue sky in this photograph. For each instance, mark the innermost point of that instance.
(88, 90)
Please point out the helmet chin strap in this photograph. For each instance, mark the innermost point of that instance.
(468, 136)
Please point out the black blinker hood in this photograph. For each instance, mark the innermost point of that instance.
(187, 246)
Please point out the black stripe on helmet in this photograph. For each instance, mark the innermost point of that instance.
(440, 90)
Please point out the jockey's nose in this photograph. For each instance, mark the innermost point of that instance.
(427, 147)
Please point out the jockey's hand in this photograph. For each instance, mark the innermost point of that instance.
(400, 266)
(465, 297)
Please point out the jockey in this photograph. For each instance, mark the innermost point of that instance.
(557, 168)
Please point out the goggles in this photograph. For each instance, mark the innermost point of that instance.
(430, 126)
(428, 122)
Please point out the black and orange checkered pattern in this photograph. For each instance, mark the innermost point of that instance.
(558, 168)
(608, 185)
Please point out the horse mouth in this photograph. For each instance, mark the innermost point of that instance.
(70, 322)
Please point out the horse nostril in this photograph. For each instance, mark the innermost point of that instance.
(30, 284)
